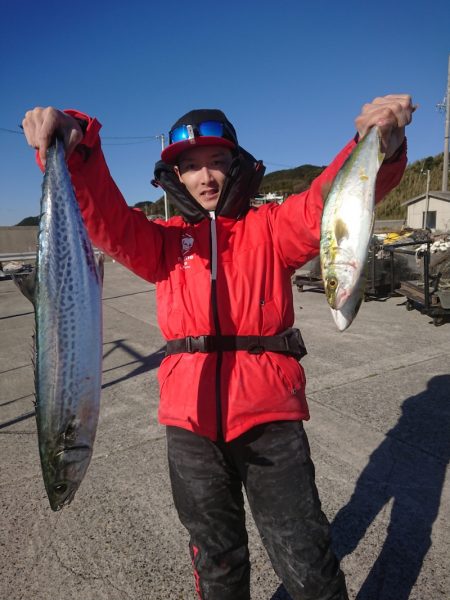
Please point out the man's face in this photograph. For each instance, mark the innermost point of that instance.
(203, 171)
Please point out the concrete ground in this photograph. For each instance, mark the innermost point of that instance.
(379, 396)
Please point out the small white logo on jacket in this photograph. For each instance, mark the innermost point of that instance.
(187, 242)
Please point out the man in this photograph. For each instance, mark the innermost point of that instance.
(232, 390)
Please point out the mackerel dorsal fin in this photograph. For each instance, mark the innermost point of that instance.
(26, 284)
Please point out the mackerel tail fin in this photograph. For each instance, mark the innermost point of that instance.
(26, 284)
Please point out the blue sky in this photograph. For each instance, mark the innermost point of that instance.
(290, 75)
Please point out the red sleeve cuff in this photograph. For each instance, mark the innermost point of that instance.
(87, 144)
(398, 154)
(92, 130)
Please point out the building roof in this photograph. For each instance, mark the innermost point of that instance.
(438, 195)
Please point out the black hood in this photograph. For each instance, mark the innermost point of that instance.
(241, 184)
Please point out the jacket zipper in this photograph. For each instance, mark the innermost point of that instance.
(213, 233)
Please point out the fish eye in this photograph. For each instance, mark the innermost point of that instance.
(60, 488)
(332, 283)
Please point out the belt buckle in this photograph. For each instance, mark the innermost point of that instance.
(255, 347)
(198, 343)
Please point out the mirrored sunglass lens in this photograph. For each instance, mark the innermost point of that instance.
(211, 128)
(179, 134)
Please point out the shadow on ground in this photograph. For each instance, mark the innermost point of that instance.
(143, 363)
(407, 469)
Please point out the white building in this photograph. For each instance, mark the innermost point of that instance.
(438, 211)
(265, 198)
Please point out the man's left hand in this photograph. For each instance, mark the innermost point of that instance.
(391, 114)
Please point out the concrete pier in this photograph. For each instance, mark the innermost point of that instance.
(379, 396)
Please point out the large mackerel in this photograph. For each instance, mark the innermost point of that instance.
(68, 311)
(346, 230)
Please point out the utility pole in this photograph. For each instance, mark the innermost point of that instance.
(162, 137)
(427, 197)
(446, 105)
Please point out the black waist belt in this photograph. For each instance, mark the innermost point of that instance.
(288, 342)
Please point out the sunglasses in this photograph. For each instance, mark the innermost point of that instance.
(204, 129)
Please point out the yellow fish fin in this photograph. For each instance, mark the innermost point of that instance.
(340, 230)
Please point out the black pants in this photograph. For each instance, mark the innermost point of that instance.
(273, 462)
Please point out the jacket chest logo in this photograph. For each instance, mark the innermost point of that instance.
(187, 242)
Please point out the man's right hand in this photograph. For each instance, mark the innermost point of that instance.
(40, 126)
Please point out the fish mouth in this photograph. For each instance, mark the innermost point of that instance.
(62, 493)
(336, 294)
(69, 465)
(340, 283)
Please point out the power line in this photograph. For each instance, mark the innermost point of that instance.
(139, 139)
(10, 130)
(143, 141)
(129, 137)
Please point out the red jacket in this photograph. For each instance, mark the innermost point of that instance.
(256, 257)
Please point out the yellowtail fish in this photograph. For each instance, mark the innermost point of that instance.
(347, 226)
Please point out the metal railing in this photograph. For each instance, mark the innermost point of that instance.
(21, 256)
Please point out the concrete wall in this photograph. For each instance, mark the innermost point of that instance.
(386, 225)
(18, 239)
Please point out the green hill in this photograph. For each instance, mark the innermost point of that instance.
(28, 221)
(156, 208)
(290, 181)
(152, 208)
(413, 184)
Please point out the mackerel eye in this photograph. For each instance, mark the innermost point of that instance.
(60, 488)
(332, 283)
